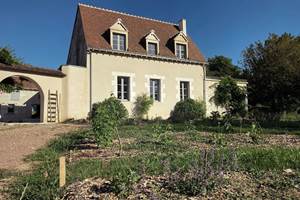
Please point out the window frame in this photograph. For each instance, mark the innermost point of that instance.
(182, 90)
(179, 50)
(121, 93)
(155, 84)
(119, 41)
(156, 48)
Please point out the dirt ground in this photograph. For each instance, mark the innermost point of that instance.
(18, 141)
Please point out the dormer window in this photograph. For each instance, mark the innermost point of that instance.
(181, 51)
(181, 46)
(119, 41)
(119, 36)
(152, 43)
(152, 48)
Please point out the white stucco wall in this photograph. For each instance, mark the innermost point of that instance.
(75, 98)
(105, 69)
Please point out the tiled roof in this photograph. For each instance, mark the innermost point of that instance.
(97, 21)
(31, 70)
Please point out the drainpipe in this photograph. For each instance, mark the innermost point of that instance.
(204, 87)
(90, 58)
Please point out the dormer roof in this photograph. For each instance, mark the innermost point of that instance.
(96, 23)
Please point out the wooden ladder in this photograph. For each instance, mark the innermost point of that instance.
(52, 114)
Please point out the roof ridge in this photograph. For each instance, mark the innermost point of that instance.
(123, 13)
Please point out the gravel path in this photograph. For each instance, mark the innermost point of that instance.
(19, 141)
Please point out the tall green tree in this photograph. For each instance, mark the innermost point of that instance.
(273, 72)
(8, 57)
(230, 96)
(222, 66)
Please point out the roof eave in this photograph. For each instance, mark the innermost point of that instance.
(139, 55)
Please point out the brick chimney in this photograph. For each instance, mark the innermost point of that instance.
(182, 26)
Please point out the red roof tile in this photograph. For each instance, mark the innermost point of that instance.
(97, 21)
(31, 70)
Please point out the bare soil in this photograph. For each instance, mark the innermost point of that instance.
(18, 141)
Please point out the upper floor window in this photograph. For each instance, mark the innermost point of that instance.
(119, 36)
(181, 51)
(184, 90)
(152, 43)
(152, 48)
(119, 41)
(123, 88)
(181, 45)
(155, 89)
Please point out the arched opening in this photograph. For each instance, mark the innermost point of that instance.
(24, 104)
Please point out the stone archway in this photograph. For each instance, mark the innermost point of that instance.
(26, 104)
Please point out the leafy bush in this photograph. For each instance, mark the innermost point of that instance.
(106, 118)
(142, 106)
(214, 116)
(187, 110)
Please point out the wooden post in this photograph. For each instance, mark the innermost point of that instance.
(62, 171)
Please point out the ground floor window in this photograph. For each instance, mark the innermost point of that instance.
(184, 90)
(11, 108)
(155, 89)
(123, 88)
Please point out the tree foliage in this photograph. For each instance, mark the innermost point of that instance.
(273, 72)
(8, 57)
(142, 105)
(222, 66)
(230, 96)
(7, 88)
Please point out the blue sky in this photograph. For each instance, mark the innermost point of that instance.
(40, 31)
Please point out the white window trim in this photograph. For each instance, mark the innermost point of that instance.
(132, 84)
(191, 89)
(162, 85)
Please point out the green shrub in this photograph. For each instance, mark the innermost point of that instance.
(106, 118)
(142, 106)
(187, 110)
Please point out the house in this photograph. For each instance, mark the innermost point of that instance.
(124, 55)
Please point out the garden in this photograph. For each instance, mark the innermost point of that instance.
(188, 156)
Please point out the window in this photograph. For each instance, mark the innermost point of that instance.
(155, 89)
(35, 111)
(11, 108)
(181, 51)
(119, 41)
(152, 48)
(184, 90)
(123, 88)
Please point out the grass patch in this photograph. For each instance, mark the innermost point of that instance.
(156, 156)
(276, 158)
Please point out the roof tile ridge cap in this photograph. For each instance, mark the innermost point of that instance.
(122, 13)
